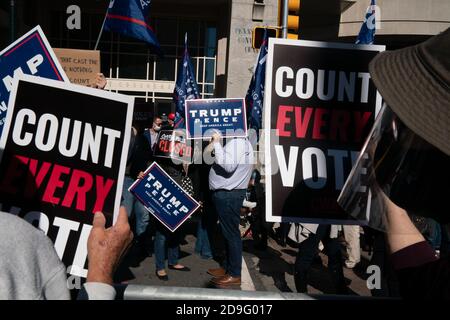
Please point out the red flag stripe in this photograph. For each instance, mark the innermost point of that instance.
(137, 21)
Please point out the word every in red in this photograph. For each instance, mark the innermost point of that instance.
(65, 186)
(327, 124)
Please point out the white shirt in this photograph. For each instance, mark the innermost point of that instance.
(233, 165)
(153, 137)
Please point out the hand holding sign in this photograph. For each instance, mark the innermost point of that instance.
(100, 81)
(106, 247)
(216, 137)
(141, 175)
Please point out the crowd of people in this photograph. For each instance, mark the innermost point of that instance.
(412, 251)
(220, 188)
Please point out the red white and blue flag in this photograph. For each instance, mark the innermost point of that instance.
(129, 17)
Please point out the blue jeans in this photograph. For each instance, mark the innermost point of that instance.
(206, 229)
(133, 205)
(228, 206)
(202, 245)
(161, 238)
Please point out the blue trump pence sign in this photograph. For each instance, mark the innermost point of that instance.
(163, 197)
(205, 116)
(31, 54)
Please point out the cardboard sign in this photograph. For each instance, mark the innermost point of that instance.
(320, 105)
(30, 54)
(81, 66)
(63, 160)
(163, 197)
(206, 116)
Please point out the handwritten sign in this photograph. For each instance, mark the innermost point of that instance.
(81, 66)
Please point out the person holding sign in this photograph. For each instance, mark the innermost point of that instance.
(164, 237)
(99, 82)
(31, 269)
(228, 180)
(404, 166)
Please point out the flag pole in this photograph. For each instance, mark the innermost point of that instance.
(101, 30)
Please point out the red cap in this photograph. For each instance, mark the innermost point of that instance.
(171, 116)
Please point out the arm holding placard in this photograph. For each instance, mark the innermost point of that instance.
(400, 230)
(106, 247)
(99, 82)
(228, 157)
(420, 273)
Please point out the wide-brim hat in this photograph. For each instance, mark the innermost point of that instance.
(415, 83)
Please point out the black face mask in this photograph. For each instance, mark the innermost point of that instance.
(408, 170)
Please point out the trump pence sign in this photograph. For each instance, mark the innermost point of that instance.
(163, 197)
(31, 54)
(206, 116)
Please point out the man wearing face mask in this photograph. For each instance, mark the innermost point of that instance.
(152, 133)
(404, 167)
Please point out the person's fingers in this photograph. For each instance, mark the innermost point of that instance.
(99, 220)
(122, 219)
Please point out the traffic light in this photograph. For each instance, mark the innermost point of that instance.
(258, 35)
(293, 19)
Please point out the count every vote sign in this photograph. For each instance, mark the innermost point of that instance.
(31, 54)
(206, 116)
(320, 105)
(62, 160)
(163, 197)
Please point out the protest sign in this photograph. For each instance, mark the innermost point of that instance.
(80, 66)
(205, 116)
(163, 197)
(63, 160)
(320, 104)
(30, 54)
(143, 114)
(173, 144)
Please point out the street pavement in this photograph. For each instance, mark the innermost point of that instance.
(263, 270)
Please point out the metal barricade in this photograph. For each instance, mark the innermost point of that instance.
(140, 292)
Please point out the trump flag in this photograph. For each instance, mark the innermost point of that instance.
(367, 32)
(185, 88)
(129, 17)
(255, 94)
